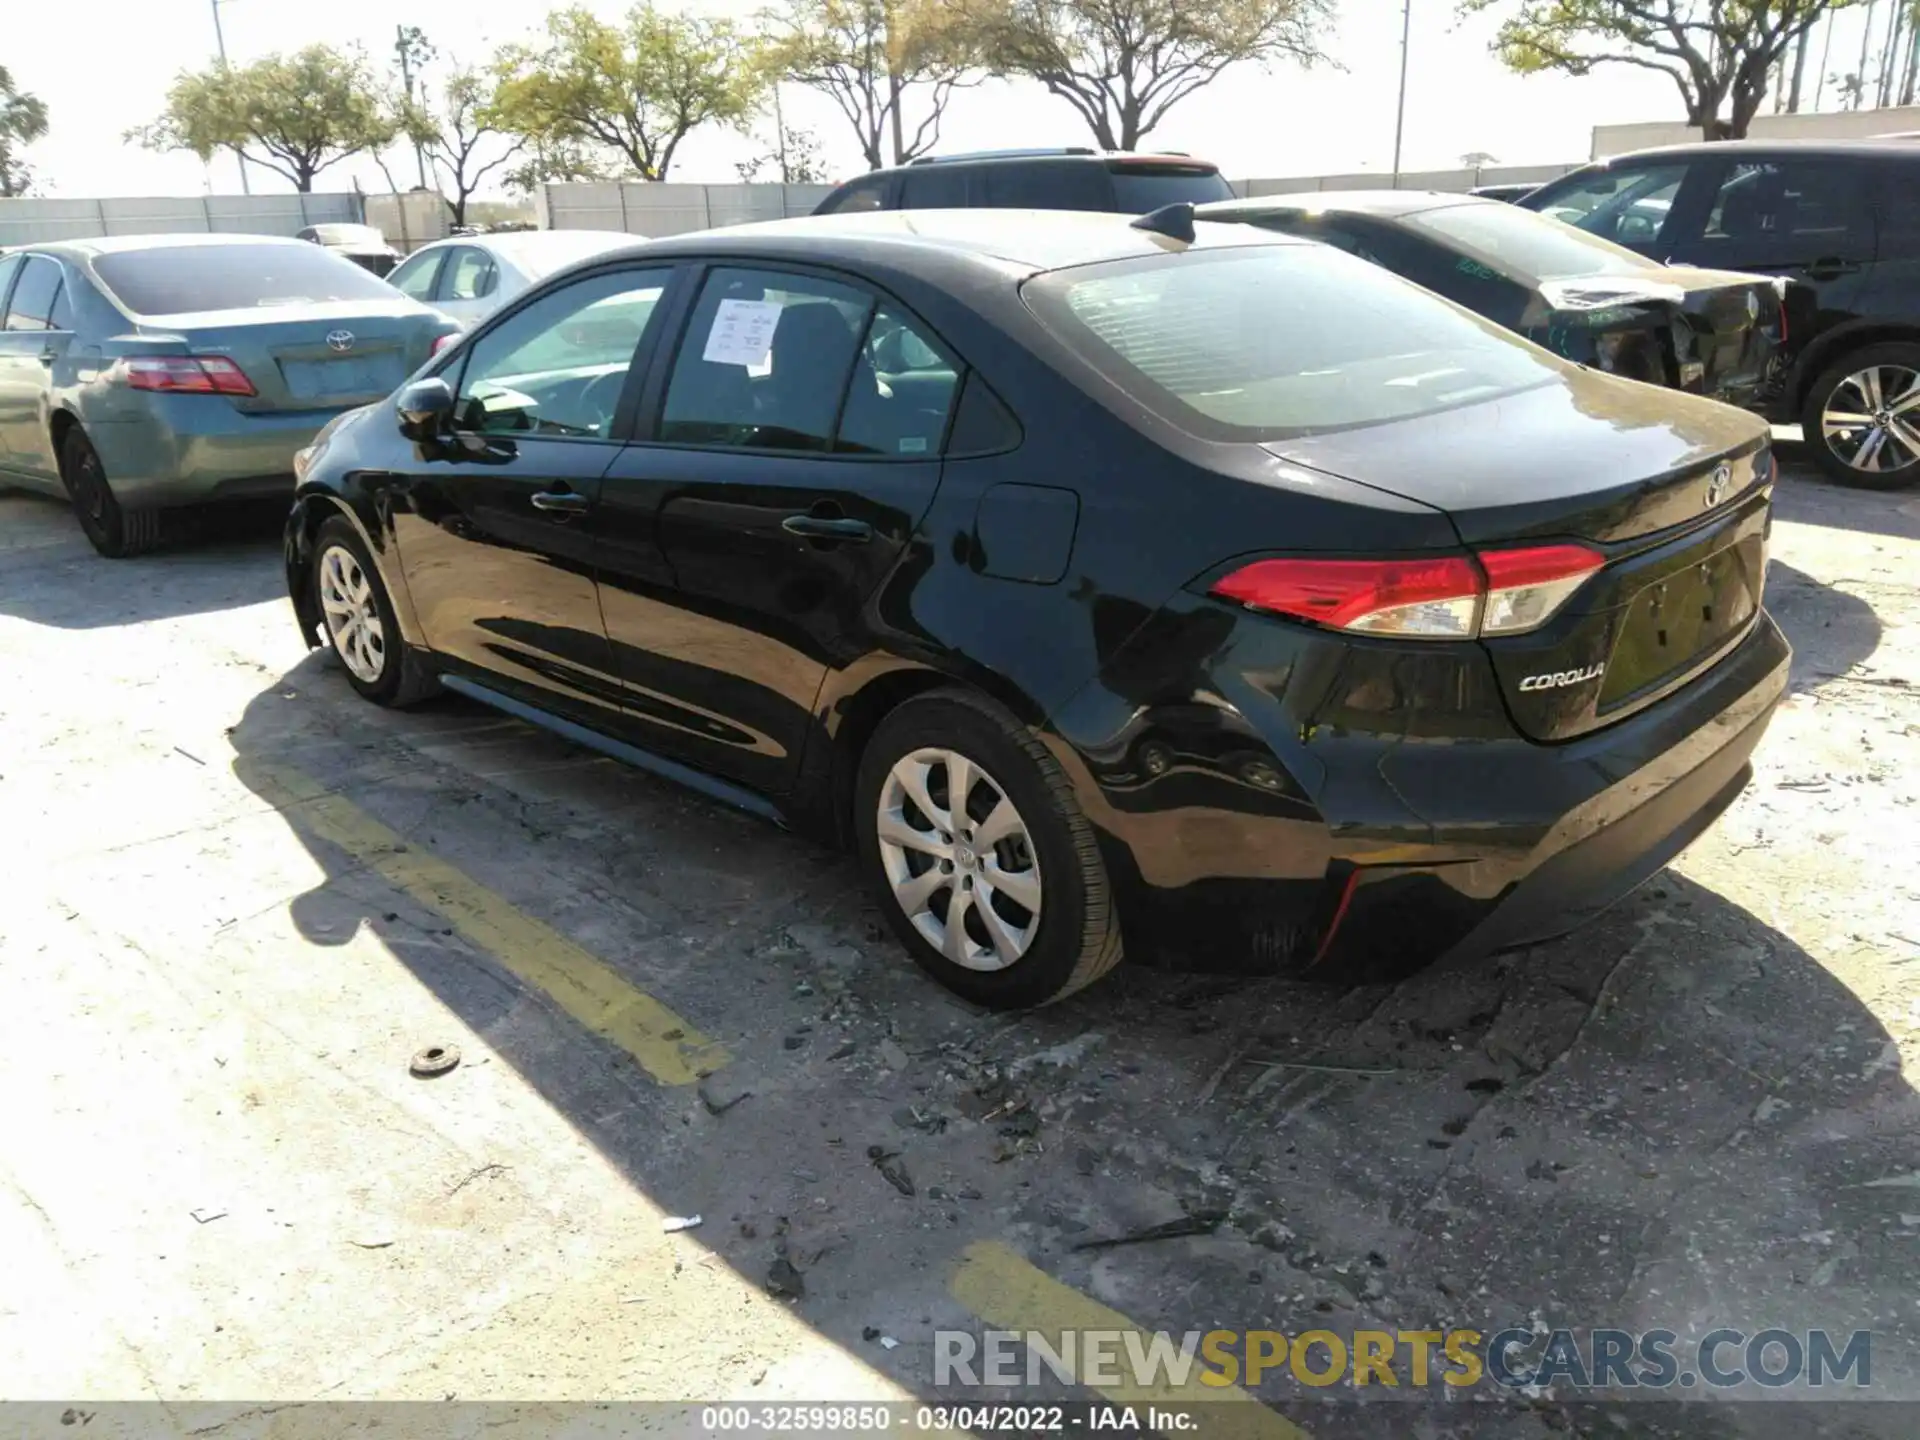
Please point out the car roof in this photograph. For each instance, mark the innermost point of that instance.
(1703, 150)
(121, 244)
(1031, 240)
(1390, 204)
(1069, 156)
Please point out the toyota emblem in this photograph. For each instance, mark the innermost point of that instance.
(1717, 486)
(340, 341)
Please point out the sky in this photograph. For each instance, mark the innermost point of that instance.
(1335, 117)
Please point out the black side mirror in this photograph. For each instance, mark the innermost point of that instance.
(425, 409)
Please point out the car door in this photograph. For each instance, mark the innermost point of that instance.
(1894, 291)
(468, 279)
(34, 335)
(1808, 219)
(786, 452)
(494, 522)
(10, 267)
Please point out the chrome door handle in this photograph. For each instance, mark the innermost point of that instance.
(560, 502)
(823, 527)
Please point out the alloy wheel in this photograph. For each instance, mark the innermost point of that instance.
(1871, 421)
(353, 617)
(959, 858)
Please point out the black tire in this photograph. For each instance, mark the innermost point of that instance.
(117, 531)
(403, 677)
(1077, 937)
(1892, 355)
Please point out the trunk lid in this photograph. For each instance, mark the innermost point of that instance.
(1719, 331)
(1674, 493)
(313, 357)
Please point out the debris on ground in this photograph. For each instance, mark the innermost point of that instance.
(891, 1055)
(494, 1168)
(674, 1223)
(887, 1342)
(912, 1117)
(783, 1281)
(207, 1213)
(720, 1107)
(434, 1060)
(1203, 1223)
(887, 1162)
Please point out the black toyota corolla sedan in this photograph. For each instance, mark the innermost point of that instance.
(1190, 587)
(1712, 332)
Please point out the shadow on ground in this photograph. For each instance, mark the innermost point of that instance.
(1807, 497)
(1665, 1120)
(1831, 631)
(49, 575)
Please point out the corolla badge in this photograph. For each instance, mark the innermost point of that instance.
(340, 341)
(1556, 679)
(1718, 485)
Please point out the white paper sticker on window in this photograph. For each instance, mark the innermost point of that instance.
(742, 332)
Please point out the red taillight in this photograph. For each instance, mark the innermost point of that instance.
(186, 374)
(1526, 587)
(1437, 597)
(442, 342)
(1446, 597)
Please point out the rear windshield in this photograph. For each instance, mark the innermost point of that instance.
(1525, 245)
(1272, 341)
(183, 279)
(1140, 188)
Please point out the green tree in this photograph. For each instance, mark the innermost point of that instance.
(455, 130)
(635, 89)
(871, 56)
(794, 158)
(294, 115)
(1718, 53)
(23, 120)
(1123, 64)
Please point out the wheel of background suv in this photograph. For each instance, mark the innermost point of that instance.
(115, 530)
(359, 618)
(1862, 417)
(980, 856)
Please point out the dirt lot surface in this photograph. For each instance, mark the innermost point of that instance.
(239, 901)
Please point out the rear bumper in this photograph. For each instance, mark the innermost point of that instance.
(189, 449)
(1371, 852)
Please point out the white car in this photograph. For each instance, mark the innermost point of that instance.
(468, 276)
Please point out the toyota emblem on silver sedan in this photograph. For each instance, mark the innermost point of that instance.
(340, 340)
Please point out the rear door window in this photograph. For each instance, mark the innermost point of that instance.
(902, 391)
(1139, 188)
(935, 187)
(1047, 185)
(184, 279)
(34, 295)
(1786, 212)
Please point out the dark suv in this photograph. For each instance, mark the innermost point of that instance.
(1070, 179)
(1841, 218)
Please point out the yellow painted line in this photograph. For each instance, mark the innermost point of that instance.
(540, 957)
(1007, 1292)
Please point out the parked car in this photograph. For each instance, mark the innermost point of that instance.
(364, 245)
(1074, 178)
(144, 373)
(1087, 580)
(1509, 193)
(1842, 218)
(471, 275)
(1595, 302)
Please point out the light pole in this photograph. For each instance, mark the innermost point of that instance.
(1400, 113)
(220, 39)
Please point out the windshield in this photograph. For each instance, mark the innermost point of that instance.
(1272, 341)
(185, 279)
(1525, 245)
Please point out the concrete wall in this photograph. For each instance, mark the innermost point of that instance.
(1837, 125)
(409, 220)
(25, 221)
(1451, 181)
(642, 208)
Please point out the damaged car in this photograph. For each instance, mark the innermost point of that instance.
(1709, 332)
